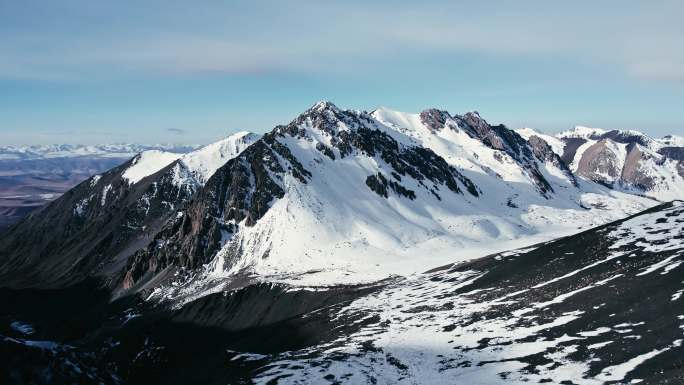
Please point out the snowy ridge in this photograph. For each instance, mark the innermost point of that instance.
(206, 160)
(200, 164)
(581, 132)
(148, 163)
(672, 140)
(555, 142)
(454, 144)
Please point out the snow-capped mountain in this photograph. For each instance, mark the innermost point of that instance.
(299, 255)
(333, 196)
(349, 196)
(336, 195)
(626, 160)
(200, 164)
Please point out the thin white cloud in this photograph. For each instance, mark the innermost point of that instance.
(640, 39)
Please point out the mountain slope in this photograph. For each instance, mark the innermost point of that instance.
(602, 306)
(32, 176)
(334, 196)
(559, 312)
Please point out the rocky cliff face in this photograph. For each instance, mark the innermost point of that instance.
(239, 191)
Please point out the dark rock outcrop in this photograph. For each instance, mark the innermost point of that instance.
(379, 183)
(508, 142)
(676, 153)
(598, 162)
(241, 190)
(632, 172)
(544, 152)
(434, 119)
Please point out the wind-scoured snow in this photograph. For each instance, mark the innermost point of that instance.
(653, 232)
(556, 144)
(204, 162)
(148, 163)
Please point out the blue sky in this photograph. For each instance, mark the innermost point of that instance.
(81, 71)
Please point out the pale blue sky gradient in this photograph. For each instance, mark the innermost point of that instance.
(81, 71)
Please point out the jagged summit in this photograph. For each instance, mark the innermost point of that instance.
(323, 105)
(581, 132)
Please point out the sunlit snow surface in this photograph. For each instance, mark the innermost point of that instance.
(147, 163)
(589, 309)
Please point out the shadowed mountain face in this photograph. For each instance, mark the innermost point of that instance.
(96, 224)
(32, 176)
(92, 229)
(28, 184)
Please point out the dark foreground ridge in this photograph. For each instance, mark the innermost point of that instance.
(602, 306)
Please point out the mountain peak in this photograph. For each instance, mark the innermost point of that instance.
(323, 105)
(475, 121)
(240, 134)
(434, 118)
(581, 132)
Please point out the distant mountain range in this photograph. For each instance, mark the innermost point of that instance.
(280, 253)
(626, 160)
(122, 150)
